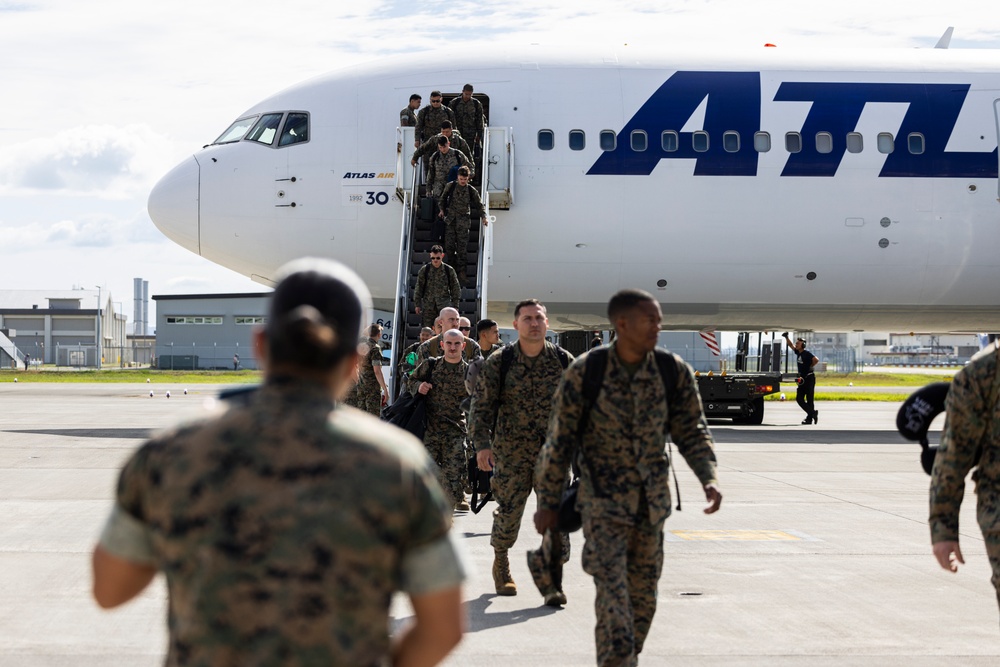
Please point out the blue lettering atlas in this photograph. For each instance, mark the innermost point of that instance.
(734, 104)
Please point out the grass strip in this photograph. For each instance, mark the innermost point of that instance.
(132, 376)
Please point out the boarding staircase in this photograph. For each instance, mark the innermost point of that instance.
(415, 239)
(10, 356)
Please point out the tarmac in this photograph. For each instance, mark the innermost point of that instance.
(820, 554)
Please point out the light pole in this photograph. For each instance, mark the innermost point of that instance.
(98, 327)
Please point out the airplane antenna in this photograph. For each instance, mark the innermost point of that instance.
(945, 39)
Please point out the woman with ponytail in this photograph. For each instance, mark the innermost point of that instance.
(284, 526)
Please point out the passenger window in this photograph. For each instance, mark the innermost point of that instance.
(731, 141)
(296, 129)
(670, 141)
(855, 142)
(265, 129)
(546, 140)
(699, 141)
(793, 142)
(762, 142)
(886, 143)
(577, 140)
(824, 142)
(915, 142)
(235, 131)
(639, 140)
(609, 140)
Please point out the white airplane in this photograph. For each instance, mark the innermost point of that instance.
(768, 190)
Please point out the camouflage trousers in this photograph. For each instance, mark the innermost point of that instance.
(456, 244)
(625, 561)
(364, 398)
(512, 484)
(430, 309)
(992, 539)
(370, 400)
(448, 452)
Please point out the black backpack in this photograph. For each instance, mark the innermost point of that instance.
(409, 411)
(569, 519)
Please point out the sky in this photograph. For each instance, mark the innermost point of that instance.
(102, 98)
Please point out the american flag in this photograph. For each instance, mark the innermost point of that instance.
(711, 341)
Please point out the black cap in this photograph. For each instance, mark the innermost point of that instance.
(337, 292)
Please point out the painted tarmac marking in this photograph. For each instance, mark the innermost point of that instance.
(737, 535)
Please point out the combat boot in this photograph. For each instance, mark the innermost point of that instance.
(501, 574)
(555, 599)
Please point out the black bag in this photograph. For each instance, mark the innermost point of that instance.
(915, 416)
(569, 519)
(482, 488)
(428, 209)
(409, 413)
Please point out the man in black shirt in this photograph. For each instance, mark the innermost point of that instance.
(806, 379)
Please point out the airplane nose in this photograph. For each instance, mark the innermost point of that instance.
(173, 205)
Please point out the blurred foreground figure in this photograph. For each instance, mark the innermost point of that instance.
(284, 526)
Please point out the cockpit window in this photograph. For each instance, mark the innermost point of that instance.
(265, 129)
(296, 129)
(236, 131)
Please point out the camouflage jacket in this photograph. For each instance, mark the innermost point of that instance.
(429, 121)
(493, 348)
(461, 201)
(521, 408)
(444, 410)
(437, 285)
(624, 454)
(283, 528)
(432, 348)
(440, 165)
(407, 117)
(972, 421)
(366, 374)
(469, 117)
(457, 142)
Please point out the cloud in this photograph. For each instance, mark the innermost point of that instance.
(94, 160)
(86, 230)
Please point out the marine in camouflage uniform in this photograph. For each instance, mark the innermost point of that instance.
(429, 119)
(460, 203)
(446, 428)
(455, 140)
(432, 348)
(283, 528)
(519, 411)
(437, 287)
(469, 116)
(407, 118)
(408, 360)
(973, 422)
(367, 393)
(439, 164)
(624, 494)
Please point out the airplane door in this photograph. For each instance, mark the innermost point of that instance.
(498, 151)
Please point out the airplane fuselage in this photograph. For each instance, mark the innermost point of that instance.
(835, 191)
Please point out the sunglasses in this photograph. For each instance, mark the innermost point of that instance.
(436, 259)
(435, 101)
(465, 328)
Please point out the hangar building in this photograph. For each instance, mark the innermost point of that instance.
(77, 327)
(205, 331)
